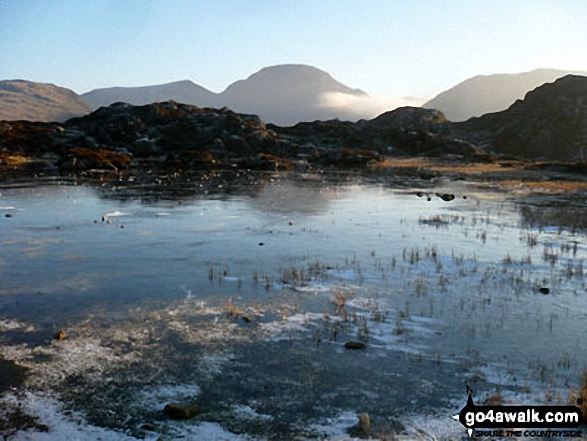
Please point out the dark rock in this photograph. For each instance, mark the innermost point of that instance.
(544, 291)
(411, 118)
(8, 215)
(181, 411)
(355, 345)
(148, 427)
(266, 161)
(247, 319)
(346, 158)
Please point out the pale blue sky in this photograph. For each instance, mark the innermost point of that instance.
(387, 47)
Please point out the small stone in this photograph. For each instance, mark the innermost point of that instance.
(260, 244)
(181, 411)
(148, 427)
(8, 215)
(291, 222)
(545, 290)
(364, 422)
(355, 345)
(247, 319)
(60, 335)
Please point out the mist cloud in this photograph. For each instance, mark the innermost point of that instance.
(355, 107)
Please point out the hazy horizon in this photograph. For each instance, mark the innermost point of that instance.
(388, 49)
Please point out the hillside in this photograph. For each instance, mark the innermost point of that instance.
(490, 93)
(27, 100)
(181, 91)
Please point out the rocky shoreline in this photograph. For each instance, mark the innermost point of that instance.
(121, 138)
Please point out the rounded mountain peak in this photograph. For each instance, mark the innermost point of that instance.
(292, 78)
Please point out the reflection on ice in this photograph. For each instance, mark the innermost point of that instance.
(184, 304)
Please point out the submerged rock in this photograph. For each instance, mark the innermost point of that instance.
(181, 411)
(355, 345)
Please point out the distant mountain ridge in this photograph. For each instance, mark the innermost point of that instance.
(180, 91)
(27, 100)
(484, 94)
(283, 94)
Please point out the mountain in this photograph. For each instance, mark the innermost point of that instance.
(287, 94)
(181, 91)
(550, 122)
(284, 94)
(27, 100)
(490, 93)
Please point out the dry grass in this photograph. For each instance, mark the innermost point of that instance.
(12, 158)
(579, 398)
(546, 186)
(457, 167)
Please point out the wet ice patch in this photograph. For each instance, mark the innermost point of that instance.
(312, 287)
(438, 426)
(285, 328)
(115, 214)
(336, 428)
(210, 432)
(158, 396)
(495, 373)
(244, 412)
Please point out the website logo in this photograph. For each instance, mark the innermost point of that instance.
(514, 421)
